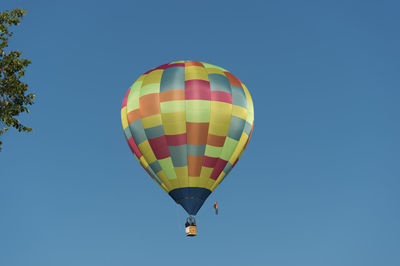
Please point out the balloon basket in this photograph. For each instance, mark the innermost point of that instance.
(191, 230)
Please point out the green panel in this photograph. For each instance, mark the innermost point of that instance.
(214, 66)
(168, 167)
(229, 148)
(173, 106)
(133, 98)
(150, 88)
(212, 151)
(198, 111)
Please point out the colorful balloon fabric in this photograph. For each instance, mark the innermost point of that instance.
(188, 123)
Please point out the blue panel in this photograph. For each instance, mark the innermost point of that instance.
(178, 155)
(191, 198)
(128, 133)
(238, 97)
(155, 177)
(236, 127)
(173, 78)
(196, 150)
(137, 131)
(228, 168)
(247, 128)
(154, 132)
(219, 83)
(155, 166)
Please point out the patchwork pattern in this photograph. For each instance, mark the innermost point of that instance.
(187, 123)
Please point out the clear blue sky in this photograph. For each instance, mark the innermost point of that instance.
(318, 184)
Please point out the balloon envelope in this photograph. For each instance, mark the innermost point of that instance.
(187, 123)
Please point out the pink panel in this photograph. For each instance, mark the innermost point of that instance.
(221, 96)
(197, 89)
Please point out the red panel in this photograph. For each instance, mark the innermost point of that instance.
(159, 147)
(209, 161)
(176, 65)
(219, 166)
(124, 102)
(175, 140)
(134, 147)
(162, 66)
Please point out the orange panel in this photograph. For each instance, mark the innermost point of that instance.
(133, 116)
(234, 81)
(172, 95)
(193, 63)
(194, 165)
(196, 133)
(149, 104)
(217, 141)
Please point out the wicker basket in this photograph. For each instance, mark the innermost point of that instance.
(191, 230)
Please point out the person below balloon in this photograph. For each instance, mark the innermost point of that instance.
(216, 208)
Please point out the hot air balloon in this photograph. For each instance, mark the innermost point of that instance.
(188, 123)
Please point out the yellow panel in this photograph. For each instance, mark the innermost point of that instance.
(247, 138)
(182, 174)
(220, 178)
(239, 111)
(218, 129)
(153, 77)
(124, 118)
(163, 178)
(206, 172)
(174, 123)
(215, 71)
(250, 107)
(164, 188)
(239, 148)
(151, 121)
(172, 117)
(147, 152)
(196, 72)
(141, 78)
(221, 112)
(220, 118)
(173, 184)
(196, 181)
(210, 183)
(143, 162)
